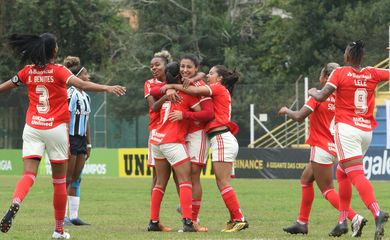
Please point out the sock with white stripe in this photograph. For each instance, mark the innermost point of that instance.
(355, 174)
(59, 202)
(23, 187)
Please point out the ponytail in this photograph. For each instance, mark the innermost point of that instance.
(355, 51)
(35, 49)
(229, 77)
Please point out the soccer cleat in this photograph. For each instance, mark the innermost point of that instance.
(198, 228)
(357, 225)
(297, 228)
(188, 225)
(6, 222)
(238, 226)
(340, 229)
(229, 225)
(78, 222)
(380, 223)
(156, 226)
(57, 235)
(67, 222)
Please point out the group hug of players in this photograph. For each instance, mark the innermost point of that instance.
(187, 117)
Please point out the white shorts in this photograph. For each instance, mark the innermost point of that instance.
(351, 142)
(224, 147)
(55, 141)
(320, 156)
(198, 145)
(150, 152)
(175, 153)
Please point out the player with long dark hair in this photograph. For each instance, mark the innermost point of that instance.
(197, 142)
(322, 157)
(169, 150)
(220, 131)
(47, 119)
(354, 122)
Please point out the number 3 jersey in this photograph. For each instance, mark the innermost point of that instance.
(46, 88)
(355, 100)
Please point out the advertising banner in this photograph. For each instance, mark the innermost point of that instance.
(377, 164)
(388, 124)
(11, 162)
(102, 162)
(271, 163)
(133, 162)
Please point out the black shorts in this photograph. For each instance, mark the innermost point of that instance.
(78, 145)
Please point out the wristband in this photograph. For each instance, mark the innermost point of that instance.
(89, 145)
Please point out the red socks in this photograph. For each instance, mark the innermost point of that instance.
(307, 199)
(186, 199)
(59, 202)
(231, 202)
(155, 203)
(23, 187)
(355, 174)
(333, 198)
(195, 209)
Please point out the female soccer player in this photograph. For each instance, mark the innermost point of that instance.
(197, 142)
(169, 150)
(79, 137)
(354, 121)
(224, 145)
(157, 67)
(47, 119)
(322, 158)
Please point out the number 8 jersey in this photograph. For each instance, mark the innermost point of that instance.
(355, 100)
(47, 93)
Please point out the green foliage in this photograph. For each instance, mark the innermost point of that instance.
(270, 51)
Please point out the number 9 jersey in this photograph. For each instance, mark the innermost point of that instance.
(355, 100)
(47, 93)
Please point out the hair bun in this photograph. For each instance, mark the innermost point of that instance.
(164, 54)
(71, 61)
(172, 70)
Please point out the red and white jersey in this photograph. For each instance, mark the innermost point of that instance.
(322, 123)
(195, 125)
(355, 100)
(47, 94)
(154, 116)
(222, 106)
(173, 132)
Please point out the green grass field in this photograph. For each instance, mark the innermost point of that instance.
(118, 208)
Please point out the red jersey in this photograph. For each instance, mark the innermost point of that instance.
(222, 106)
(355, 100)
(173, 132)
(195, 125)
(47, 93)
(153, 116)
(321, 123)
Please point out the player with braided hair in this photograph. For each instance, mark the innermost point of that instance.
(354, 122)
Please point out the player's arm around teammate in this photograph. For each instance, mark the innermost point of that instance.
(354, 122)
(47, 119)
(169, 150)
(224, 145)
(322, 158)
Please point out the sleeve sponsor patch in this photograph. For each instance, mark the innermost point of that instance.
(15, 80)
